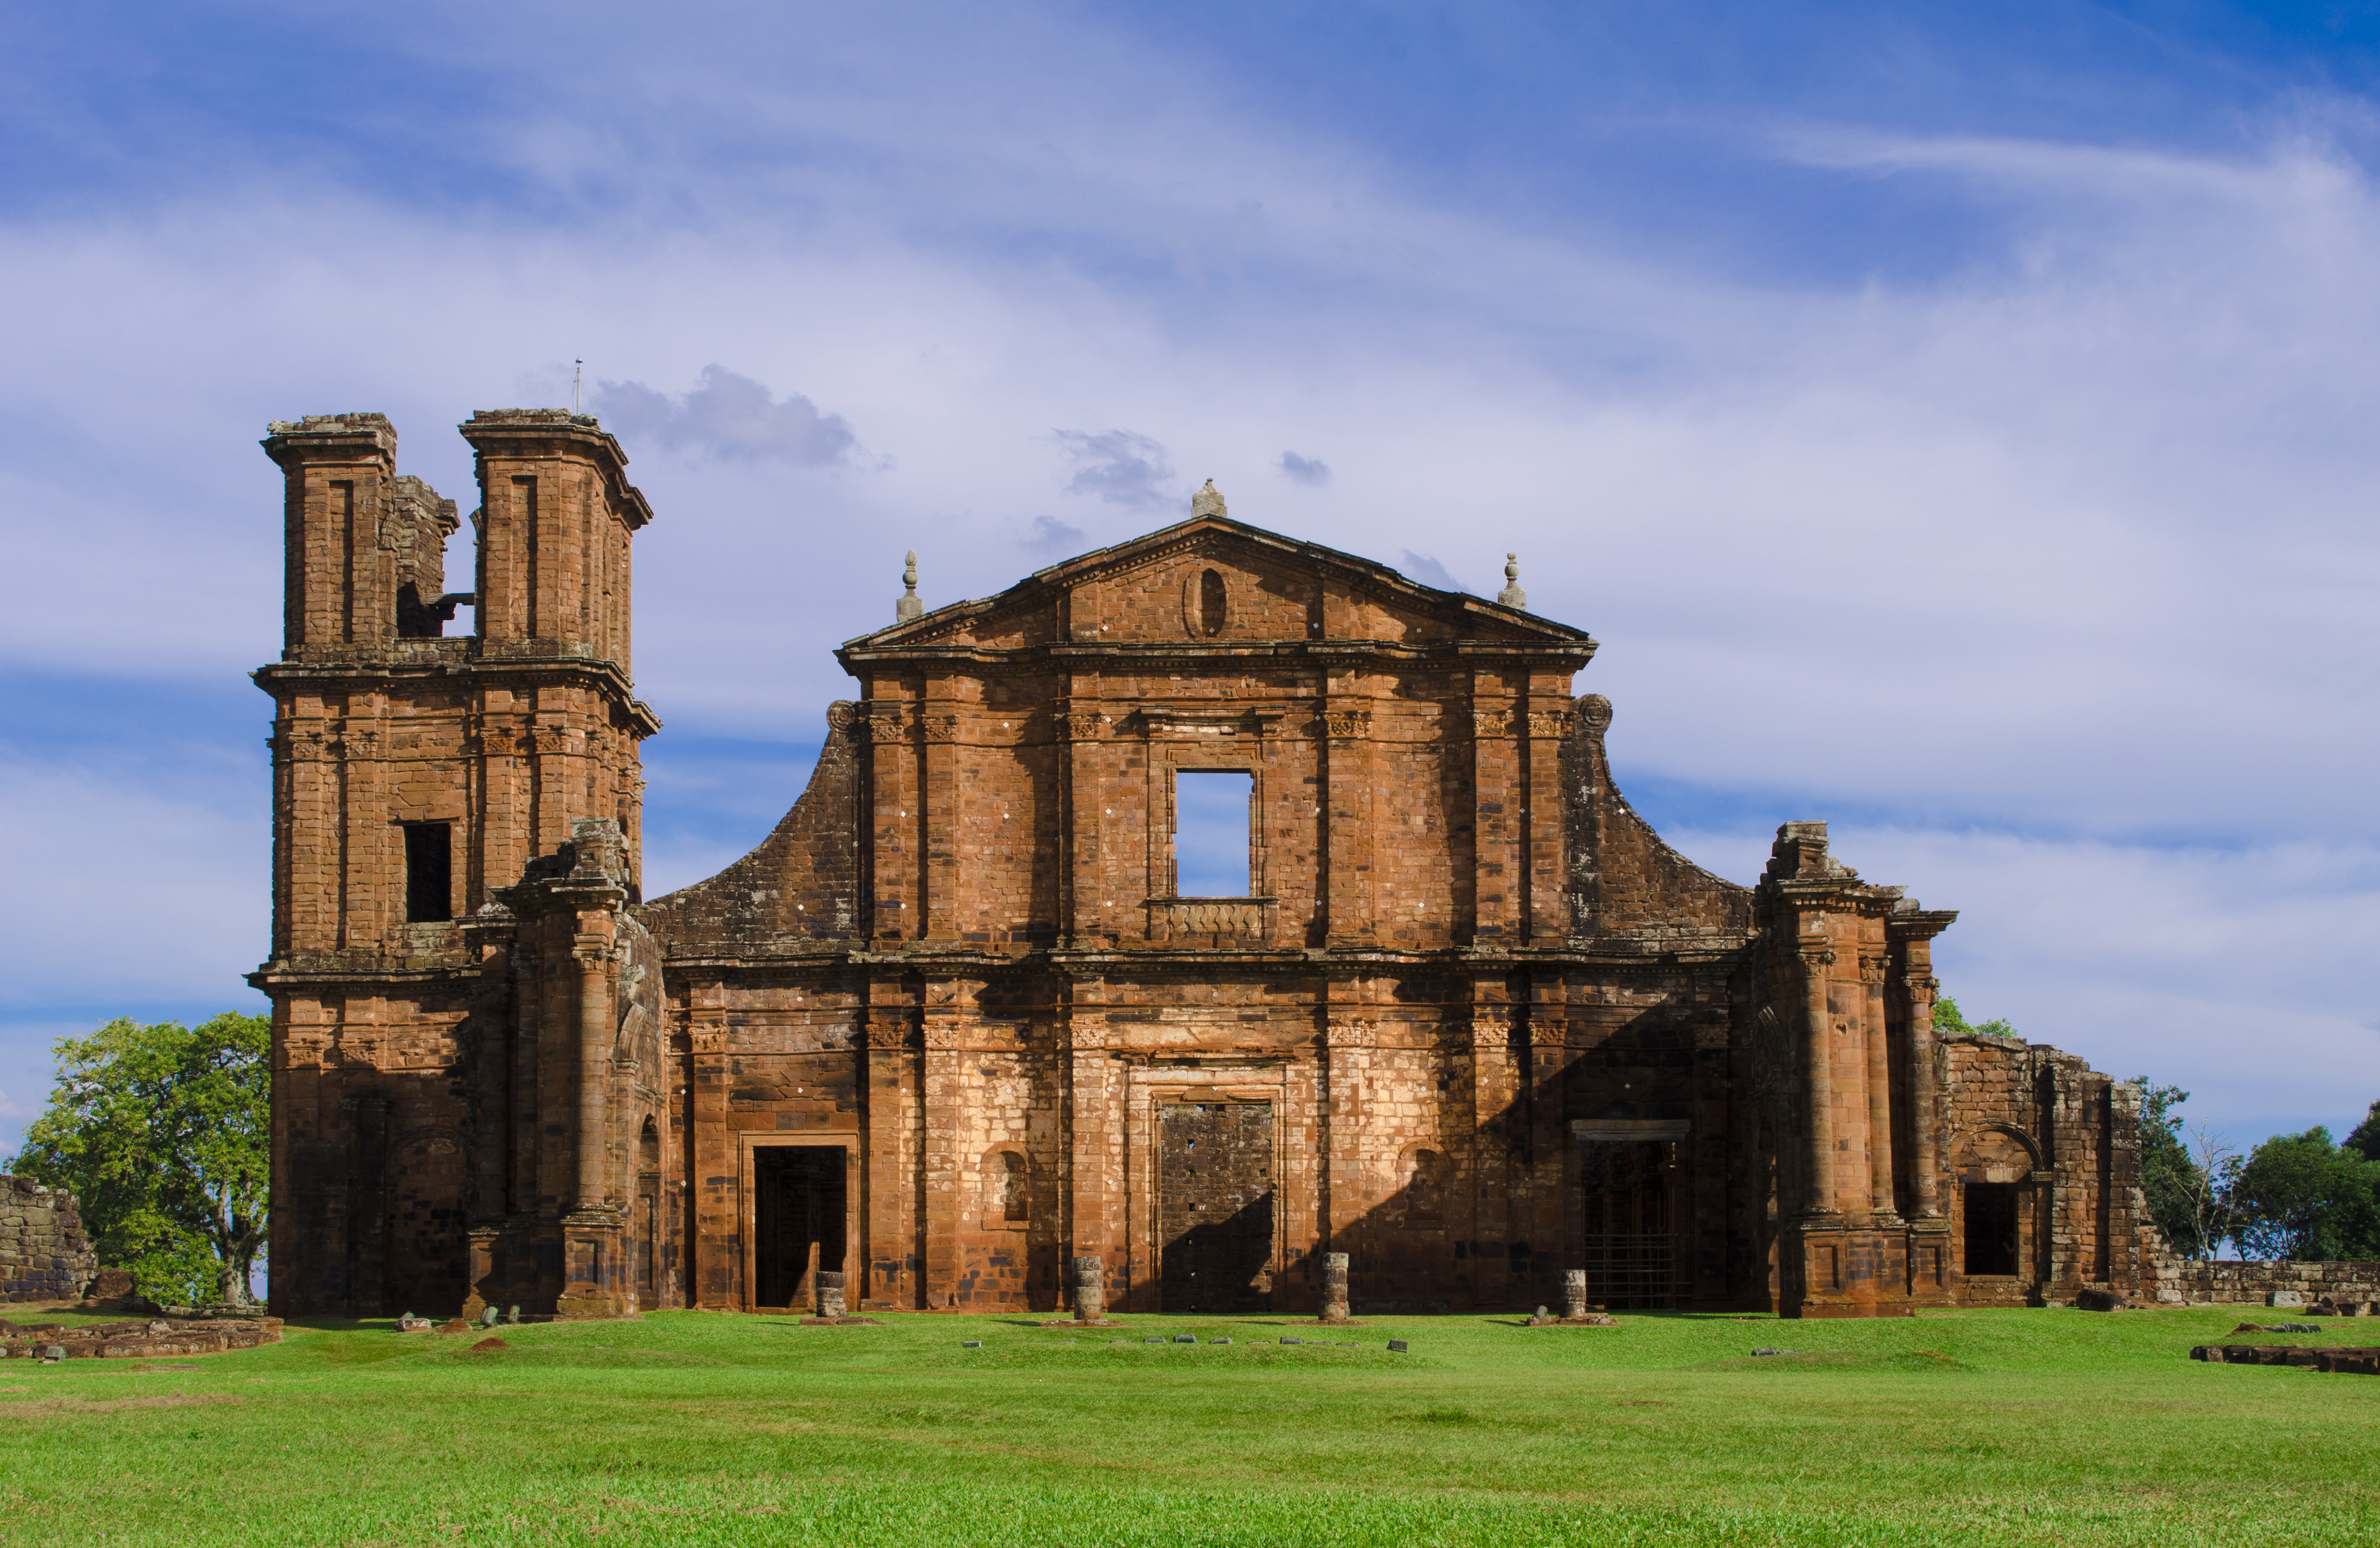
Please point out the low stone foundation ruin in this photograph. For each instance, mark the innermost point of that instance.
(44, 1254)
(150, 1339)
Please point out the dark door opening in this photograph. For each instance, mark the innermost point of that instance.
(1991, 1227)
(797, 1220)
(1214, 1212)
(1626, 1203)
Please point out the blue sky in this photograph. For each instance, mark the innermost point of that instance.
(1955, 421)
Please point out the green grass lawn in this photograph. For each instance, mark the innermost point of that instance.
(1981, 1427)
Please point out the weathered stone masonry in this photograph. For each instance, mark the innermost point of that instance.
(44, 1254)
(952, 1024)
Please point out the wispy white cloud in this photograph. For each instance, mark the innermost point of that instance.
(1305, 470)
(1122, 468)
(730, 417)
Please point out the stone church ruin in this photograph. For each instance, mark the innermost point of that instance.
(964, 1017)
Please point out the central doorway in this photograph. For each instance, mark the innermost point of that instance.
(1214, 1212)
(798, 1220)
(1626, 1205)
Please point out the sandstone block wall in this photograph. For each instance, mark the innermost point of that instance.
(44, 1254)
(2177, 1281)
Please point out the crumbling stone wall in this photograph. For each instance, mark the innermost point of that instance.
(2176, 1281)
(44, 1254)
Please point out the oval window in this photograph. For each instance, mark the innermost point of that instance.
(1210, 604)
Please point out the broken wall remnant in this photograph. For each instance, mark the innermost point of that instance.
(44, 1254)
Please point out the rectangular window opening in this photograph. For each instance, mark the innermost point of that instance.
(429, 872)
(1213, 812)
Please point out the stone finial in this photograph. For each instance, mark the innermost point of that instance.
(910, 607)
(1512, 596)
(1209, 501)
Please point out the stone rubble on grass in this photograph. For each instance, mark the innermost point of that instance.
(2345, 1361)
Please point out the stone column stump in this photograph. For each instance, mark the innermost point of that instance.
(1090, 1289)
(1334, 1286)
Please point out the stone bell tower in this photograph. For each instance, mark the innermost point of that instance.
(414, 775)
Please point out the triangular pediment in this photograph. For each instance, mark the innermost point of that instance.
(1215, 579)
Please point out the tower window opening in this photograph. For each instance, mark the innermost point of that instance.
(1212, 812)
(429, 872)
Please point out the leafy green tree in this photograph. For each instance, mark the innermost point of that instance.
(1948, 1018)
(2366, 1138)
(164, 1134)
(2301, 1196)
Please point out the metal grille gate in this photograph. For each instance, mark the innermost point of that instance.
(1627, 1253)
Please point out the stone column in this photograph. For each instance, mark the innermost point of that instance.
(1495, 1098)
(1089, 1278)
(1094, 1148)
(1821, 1136)
(1923, 1099)
(1544, 904)
(895, 1252)
(1334, 1286)
(715, 1265)
(938, 822)
(830, 1294)
(939, 1180)
(592, 951)
(1882, 1201)
(1574, 1294)
(1349, 789)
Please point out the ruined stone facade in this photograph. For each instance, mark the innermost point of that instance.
(954, 1022)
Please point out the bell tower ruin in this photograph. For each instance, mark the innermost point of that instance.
(421, 785)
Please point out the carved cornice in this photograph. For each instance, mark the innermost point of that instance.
(1817, 957)
(1491, 723)
(1552, 722)
(938, 728)
(1346, 725)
